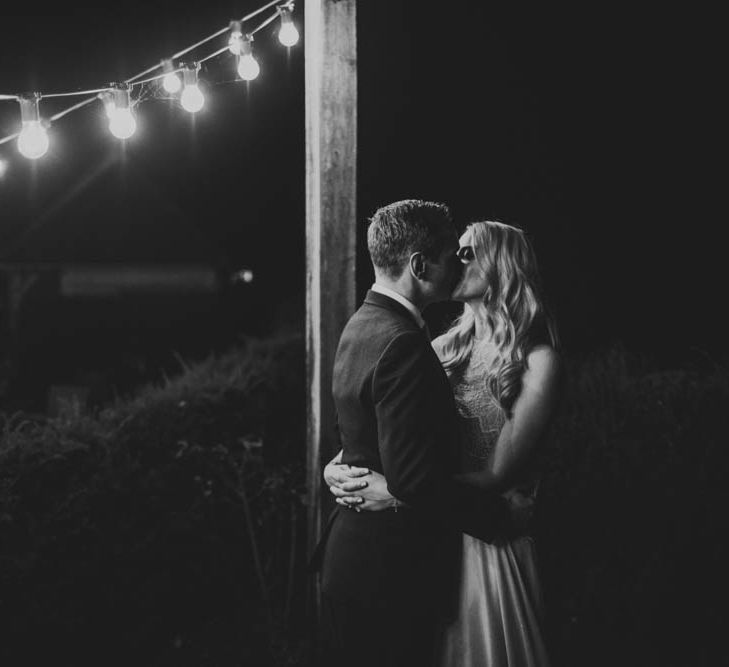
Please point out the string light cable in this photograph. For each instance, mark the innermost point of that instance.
(116, 97)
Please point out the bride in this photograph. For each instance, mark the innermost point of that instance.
(501, 359)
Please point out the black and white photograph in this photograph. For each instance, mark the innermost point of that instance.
(354, 333)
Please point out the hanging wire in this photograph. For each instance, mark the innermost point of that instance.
(270, 19)
(134, 79)
(154, 78)
(79, 92)
(61, 114)
(215, 53)
(204, 40)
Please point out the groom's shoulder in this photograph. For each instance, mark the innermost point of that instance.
(382, 320)
(377, 327)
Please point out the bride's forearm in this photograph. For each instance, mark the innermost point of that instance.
(483, 479)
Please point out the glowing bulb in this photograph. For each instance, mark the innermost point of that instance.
(171, 80)
(236, 37)
(33, 140)
(171, 83)
(234, 43)
(121, 120)
(122, 124)
(288, 35)
(248, 67)
(192, 99)
(107, 99)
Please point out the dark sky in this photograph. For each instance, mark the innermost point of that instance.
(578, 127)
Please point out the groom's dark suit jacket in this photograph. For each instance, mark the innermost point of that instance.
(396, 415)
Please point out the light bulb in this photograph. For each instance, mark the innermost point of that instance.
(288, 35)
(234, 43)
(171, 83)
(248, 67)
(122, 124)
(236, 37)
(107, 99)
(33, 140)
(192, 99)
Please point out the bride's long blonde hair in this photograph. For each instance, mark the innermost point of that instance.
(516, 316)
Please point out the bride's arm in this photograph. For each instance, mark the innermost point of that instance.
(522, 431)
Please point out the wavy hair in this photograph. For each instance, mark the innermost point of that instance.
(516, 314)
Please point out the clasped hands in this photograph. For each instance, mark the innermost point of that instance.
(364, 489)
(358, 488)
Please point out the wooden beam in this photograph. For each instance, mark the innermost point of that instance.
(331, 209)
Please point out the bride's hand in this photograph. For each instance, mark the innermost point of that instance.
(365, 492)
(522, 510)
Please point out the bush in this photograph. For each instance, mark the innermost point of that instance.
(635, 469)
(167, 529)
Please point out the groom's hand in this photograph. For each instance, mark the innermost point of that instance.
(341, 475)
(367, 492)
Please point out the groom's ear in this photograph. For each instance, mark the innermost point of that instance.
(417, 265)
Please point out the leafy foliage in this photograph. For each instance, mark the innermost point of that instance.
(166, 529)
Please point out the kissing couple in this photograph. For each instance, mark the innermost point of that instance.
(428, 557)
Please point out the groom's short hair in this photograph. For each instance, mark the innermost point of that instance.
(399, 229)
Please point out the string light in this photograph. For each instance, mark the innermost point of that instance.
(248, 67)
(192, 99)
(121, 122)
(236, 37)
(33, 140)
(171, 81)
(288, 35)
(107, 99)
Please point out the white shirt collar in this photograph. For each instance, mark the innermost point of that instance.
(401, 300)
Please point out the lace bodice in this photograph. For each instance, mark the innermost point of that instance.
(481, 417)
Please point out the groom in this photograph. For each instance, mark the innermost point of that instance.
(387, 576)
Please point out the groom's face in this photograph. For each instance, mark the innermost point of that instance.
(445, 271)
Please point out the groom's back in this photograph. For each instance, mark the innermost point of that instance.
(362, 344)
(386, 555)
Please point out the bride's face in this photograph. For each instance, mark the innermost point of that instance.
(472, 285)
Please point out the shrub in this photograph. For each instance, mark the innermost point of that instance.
(166, 529)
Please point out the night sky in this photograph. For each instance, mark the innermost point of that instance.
(576, 127)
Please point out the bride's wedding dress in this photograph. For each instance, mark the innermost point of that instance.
(499, 620)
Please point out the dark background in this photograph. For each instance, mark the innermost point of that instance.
(582, 128)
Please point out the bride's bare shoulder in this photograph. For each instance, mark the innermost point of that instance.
(542, 367)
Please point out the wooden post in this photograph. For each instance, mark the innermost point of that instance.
(331, 209)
